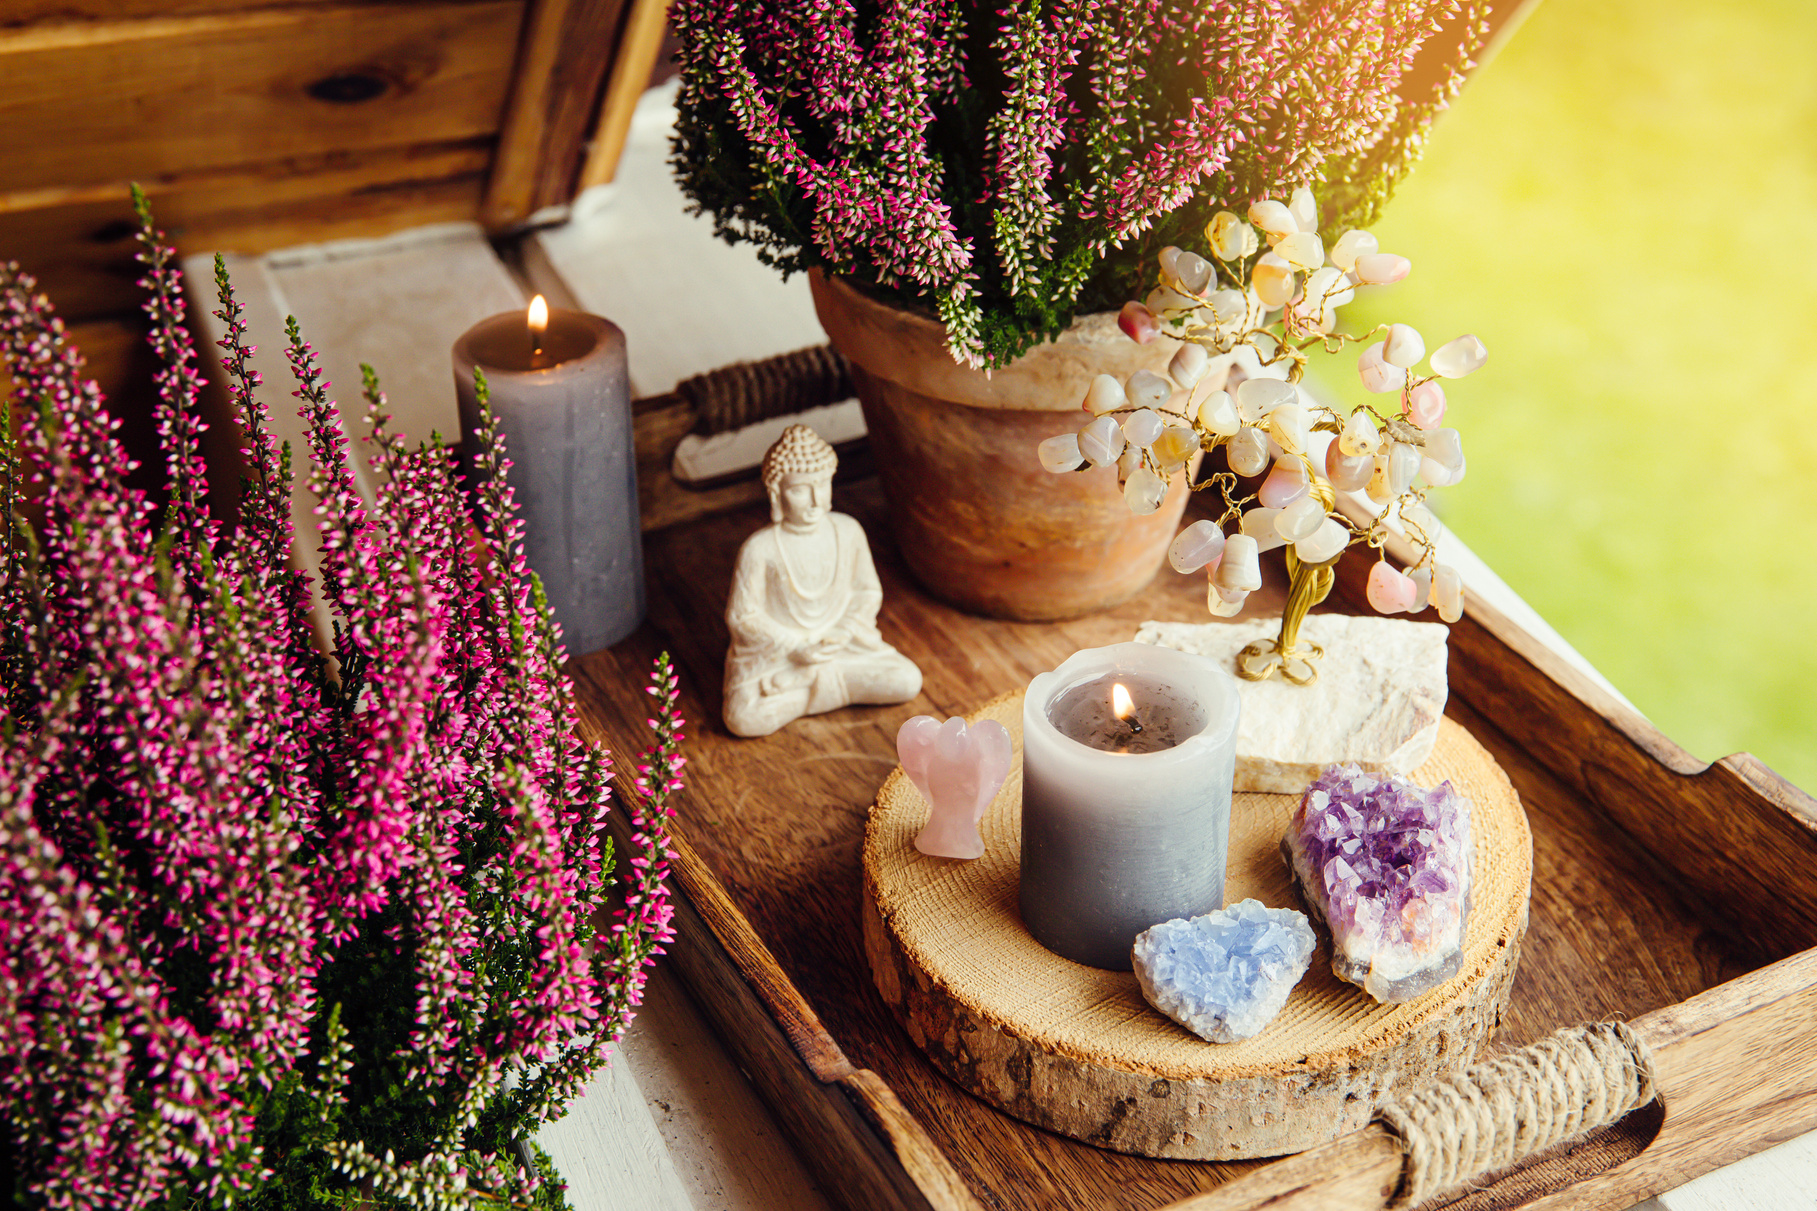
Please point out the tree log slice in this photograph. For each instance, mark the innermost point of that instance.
(1078, 1051)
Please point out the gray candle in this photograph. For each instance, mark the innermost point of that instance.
(1125, 812)
(562, 399)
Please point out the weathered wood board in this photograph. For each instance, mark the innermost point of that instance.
(771, 869)
(273, 123)
(251, 127)
(181, 95)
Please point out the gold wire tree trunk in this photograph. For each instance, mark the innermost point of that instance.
(1308, 584)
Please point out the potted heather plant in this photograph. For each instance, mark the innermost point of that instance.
(285, 928)
(974, 187)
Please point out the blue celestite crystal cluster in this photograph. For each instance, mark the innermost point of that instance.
(1387, 866)
(1226, 974)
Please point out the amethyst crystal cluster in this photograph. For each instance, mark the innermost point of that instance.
(1386, 865)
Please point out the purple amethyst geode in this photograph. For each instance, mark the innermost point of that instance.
(1386, 867)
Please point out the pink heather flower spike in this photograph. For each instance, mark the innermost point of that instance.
(982, 159)
(219, 846)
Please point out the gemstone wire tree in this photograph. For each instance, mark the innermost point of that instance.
(1259, 314)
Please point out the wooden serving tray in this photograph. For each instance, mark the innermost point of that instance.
(1679, 896)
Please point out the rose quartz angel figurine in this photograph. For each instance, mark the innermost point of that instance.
(958, 770)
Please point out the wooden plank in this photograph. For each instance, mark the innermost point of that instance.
(17, 13)
(117, 356)
(1741, 837)
(555, 94)
(1361, 1170)
(168, 96)
(932, 1175)
(81, 243)
(1736, 1071)
(631, 67)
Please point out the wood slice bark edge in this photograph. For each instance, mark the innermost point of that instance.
(1110, 1102)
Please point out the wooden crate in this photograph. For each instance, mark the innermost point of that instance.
(262, 125)
(279, 122)
(1679, 896)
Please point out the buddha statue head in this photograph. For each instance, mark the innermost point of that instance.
(798, 473)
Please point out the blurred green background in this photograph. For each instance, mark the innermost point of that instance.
(1621, 205)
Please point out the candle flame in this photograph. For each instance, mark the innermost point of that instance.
(1120, 701)
(539, 315)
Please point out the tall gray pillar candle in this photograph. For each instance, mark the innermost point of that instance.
(563, 401)
(1125, 801)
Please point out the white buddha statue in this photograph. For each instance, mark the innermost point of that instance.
(803, 611)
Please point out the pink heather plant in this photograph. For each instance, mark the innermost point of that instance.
(1011, 163)
(285, 930)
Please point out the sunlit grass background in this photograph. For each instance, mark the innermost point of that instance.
(1623, 205)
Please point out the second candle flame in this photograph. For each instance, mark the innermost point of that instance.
(538, 321)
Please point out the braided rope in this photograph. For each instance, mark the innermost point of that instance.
(1509, 1108)
(747, 392)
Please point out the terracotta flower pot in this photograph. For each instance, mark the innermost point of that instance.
(979, 521)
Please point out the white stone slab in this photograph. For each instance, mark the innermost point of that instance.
(701, 461)
(1377, 702)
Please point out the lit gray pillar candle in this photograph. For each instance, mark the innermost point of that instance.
(563, 401)
(1125, 812)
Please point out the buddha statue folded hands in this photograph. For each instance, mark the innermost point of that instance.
(803, 609)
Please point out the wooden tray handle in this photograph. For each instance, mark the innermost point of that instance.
(1706, 1059)
(1480, 1121)
(747, 392)
(1516, 1105)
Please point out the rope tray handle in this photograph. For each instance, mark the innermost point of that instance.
(1508, 1108)
(747, 392)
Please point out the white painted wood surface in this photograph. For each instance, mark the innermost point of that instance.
(726, 1147)
(1783, 1178)
(687, 301)
(673, 1126)
(397, 304)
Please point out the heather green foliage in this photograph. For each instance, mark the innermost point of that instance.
(1010, 166)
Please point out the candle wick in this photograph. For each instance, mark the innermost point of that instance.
(1134, 726)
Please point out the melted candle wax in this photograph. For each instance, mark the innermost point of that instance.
(1123, 713)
